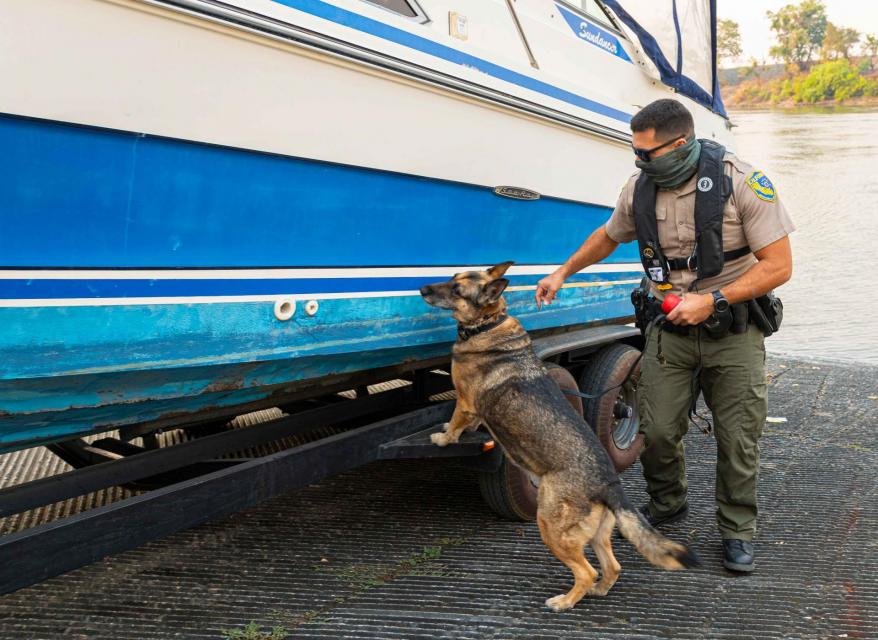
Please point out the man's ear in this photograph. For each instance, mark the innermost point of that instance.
(498, 270)
(493, 291)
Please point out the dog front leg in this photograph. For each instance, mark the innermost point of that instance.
(460, 420)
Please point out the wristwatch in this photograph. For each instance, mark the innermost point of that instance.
(719, 301)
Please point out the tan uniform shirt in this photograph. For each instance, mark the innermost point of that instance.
(748, 219)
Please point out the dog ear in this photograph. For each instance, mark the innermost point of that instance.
(492, 291)
(498, 270)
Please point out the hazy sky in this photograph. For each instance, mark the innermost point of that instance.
(757, 37)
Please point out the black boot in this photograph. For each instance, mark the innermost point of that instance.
(738, 555)
(657, 521)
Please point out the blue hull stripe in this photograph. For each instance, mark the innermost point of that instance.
(129, 288)
(425, 45)
(83, 197)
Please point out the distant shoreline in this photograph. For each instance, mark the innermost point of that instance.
(854, 104)
(827, 84)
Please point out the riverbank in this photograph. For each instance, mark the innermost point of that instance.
(831, 82)
(869, 103)
(407, 550)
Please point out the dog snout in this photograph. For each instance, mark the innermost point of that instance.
(427, 290)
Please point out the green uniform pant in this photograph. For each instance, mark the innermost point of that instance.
(734, 386)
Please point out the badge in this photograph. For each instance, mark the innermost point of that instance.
(665, 286)
(762, 187)
(517, 193)
(705, 184)
(648, 252)
(656, 274)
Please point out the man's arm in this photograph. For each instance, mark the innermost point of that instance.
(774, 267)
(598, 246)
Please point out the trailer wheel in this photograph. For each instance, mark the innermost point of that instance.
(620, 434)
(566, 382)
(510, 491)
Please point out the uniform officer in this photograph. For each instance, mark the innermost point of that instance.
(685, 187)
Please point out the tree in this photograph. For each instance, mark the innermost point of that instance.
(838, 42)
(870, 48)
(728, 40)
(751, 70)
(754, 69)
(836, 80)
(799, 30)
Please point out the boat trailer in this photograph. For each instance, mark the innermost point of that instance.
(206, 477)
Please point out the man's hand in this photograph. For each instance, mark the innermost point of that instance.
(694, 309)
(548, 287)
(598, 246)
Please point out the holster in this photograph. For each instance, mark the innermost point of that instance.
(740, 318)
(644, 308)
(718, 324)
(733, 320)
(766, 312)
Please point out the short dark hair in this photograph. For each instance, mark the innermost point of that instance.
(669, 118)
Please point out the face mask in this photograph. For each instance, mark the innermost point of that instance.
(675, 167)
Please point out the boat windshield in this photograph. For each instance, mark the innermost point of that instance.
(678, 38)
(403, 7)
(593, 9)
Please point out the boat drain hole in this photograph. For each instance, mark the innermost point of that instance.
(284, 309)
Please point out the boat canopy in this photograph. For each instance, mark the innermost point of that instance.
(678, 38)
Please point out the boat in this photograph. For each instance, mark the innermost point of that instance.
(209, 206)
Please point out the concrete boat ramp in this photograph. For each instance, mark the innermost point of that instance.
(406, 549)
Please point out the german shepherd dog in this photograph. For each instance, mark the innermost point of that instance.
(502, 384)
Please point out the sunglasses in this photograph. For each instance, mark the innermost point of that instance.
(643, 154)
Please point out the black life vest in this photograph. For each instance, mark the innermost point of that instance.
(712, 189)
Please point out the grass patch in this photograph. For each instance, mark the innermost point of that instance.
(360, 578)
(254, 631)
(366, 576)
(857, 447)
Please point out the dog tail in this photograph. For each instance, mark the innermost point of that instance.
(659, 550)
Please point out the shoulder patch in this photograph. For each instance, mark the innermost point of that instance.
(761, 186)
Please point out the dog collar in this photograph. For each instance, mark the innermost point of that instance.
(465, 333)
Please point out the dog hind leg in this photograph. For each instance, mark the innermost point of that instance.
(566, 532)
(602, 545)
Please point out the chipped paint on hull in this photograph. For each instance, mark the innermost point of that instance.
(239, 354)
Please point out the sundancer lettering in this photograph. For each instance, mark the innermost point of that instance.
(593, 34)
(595, 38)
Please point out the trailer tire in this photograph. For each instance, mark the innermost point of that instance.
(621, 437)
(510, 491)
(566, 382)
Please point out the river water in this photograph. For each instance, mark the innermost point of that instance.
(824, 166)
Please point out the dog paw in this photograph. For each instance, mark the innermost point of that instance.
(598, 590)
(439, 439)
(559, 603)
